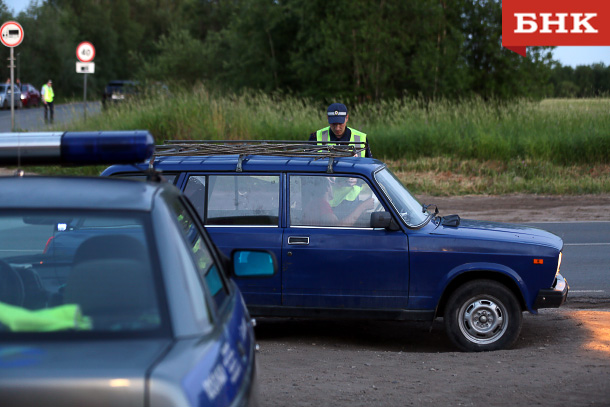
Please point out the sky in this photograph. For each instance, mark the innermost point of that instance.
(567, 56)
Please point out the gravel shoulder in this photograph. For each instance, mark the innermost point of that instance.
(525, 208)
(562, 357)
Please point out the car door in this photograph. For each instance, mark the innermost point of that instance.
(332, 258)
(242, 211)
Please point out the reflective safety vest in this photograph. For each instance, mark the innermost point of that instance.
(323, 135)
(47, 93)
(341, 194)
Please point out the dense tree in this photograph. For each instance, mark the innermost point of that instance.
(356, 50)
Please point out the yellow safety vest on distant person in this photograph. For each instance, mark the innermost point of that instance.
(47, 93)
(323, 135)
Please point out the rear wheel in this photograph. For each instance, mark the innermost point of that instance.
(483, 315)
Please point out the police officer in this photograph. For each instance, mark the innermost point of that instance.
(338, 130)
(47, 99)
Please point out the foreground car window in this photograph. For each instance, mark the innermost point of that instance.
(206, 267)
(409, 209)
(76, 271)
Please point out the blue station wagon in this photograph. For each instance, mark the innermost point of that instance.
(352, 242)
(111, 291)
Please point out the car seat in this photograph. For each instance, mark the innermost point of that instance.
(112, 281)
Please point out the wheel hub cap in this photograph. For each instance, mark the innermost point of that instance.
(483, 320)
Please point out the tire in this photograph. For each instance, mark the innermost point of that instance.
(483, 315)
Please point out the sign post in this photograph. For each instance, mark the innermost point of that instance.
(11, 35)
(85, 52)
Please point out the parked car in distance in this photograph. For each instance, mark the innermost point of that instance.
(352, 242)
(30, 96)
(119, 91)
(111, 291)
(5, 96)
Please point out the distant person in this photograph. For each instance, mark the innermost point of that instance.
(338, 130)
(47, 99)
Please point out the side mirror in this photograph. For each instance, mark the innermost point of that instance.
(383, 220)
(252, 264)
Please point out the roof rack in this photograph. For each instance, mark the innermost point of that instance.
(244, 148)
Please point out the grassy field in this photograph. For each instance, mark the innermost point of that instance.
(559, 146)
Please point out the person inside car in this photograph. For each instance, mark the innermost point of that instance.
(319, 212)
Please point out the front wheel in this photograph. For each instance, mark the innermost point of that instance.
(483, 315)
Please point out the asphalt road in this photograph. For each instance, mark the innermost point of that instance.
(586, 256)
(32, 119)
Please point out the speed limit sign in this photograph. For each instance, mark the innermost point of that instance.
(85, 52)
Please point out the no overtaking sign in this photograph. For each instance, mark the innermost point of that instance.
(11, 34)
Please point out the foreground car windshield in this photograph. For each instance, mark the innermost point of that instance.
(75, 272)
(409, 209)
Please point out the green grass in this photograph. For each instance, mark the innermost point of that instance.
(559, 146)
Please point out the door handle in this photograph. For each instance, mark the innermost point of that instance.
(298, 240)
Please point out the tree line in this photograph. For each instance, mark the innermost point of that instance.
(355, 50)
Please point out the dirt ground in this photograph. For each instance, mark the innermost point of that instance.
(562, 357)
(525, 208)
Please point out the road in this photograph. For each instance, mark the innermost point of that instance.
(32, 119)
(586, 256)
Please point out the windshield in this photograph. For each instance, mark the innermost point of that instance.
(409, 209)
(76, 272)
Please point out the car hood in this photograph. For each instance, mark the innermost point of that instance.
(91, 373)
(506, 232)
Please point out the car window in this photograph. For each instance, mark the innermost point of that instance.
(331, 201)
(58, 276)
(207, 268)
(195, 192)
(236, 199)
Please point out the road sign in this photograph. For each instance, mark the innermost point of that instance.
(11, 34)
(85, 67)
(85, 52)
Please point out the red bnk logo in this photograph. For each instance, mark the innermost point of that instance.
(554, 22)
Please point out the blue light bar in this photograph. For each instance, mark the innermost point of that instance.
(76, 148)
(106, 147)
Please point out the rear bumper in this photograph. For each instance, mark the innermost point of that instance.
(553, 297)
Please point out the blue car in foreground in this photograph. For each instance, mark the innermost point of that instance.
(111, 291)
(352, 242)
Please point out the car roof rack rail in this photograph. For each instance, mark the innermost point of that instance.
(244, 148)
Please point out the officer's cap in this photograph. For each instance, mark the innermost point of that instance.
(336, 113)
